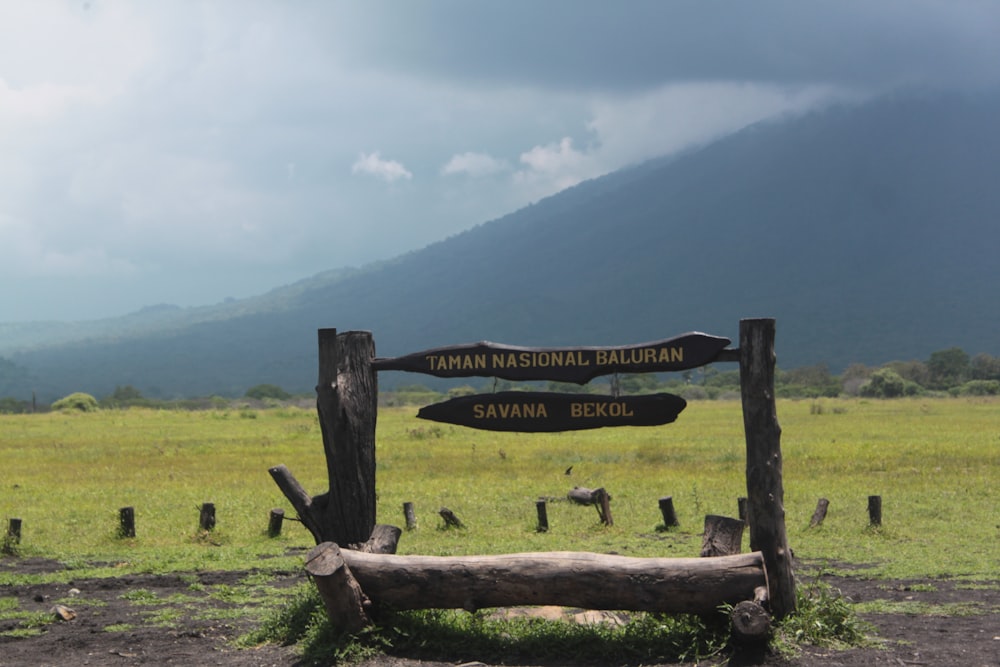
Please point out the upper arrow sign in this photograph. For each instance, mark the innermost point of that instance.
(562, 364)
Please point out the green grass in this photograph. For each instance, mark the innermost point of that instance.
(933, 461)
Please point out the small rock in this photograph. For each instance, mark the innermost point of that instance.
(73, 592)
(63, 613)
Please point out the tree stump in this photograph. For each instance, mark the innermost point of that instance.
(450, 520)
(543, 516)
(126, 522)
(667, 510)
(275, 519)
(206, 517)
(723, 536)
(820, 513)
(384, 540)
(875, 510)
(410, 516)
(14, 531)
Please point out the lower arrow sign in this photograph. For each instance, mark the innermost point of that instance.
(549, 412)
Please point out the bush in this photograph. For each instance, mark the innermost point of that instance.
(77, 401)
(884, 383)
(980, 388)
(263, 391)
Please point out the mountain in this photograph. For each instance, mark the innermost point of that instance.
(869, 232)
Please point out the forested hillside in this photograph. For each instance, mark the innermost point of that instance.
(870, 233)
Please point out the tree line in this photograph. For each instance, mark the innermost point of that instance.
(950, 372)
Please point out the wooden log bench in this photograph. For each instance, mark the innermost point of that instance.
(353, 584)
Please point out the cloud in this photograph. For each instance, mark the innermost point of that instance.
(387, 170)
(474, 164)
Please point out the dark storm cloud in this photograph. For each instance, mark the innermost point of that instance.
(616, 45)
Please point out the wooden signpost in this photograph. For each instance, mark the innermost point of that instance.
(347, 399)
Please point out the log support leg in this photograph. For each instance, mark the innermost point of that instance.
(346, 604)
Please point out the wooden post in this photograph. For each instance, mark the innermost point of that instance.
(410, 515)
(875, 510)
(384, 540)
(667, 510)
(347, 403)
(723, 536)
(206, 517)
(543, 516)
(14, 530)
(274, 522)
(345, 602)
(817, 518)
(126, 522)
(765, 490)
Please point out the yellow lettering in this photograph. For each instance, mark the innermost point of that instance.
(601, 357)
(677, 354)
(477, 411)
(481, 360)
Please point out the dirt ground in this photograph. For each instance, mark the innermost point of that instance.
(203, 632)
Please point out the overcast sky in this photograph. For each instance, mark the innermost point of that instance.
(184, 152)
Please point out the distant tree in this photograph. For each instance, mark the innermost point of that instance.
(10, 405)
(914, 371)
(808, 381)
(884, 383)
(984, 367)
(979, 388)
(77, 401)
(638, 383)
(264, 391)
(852, 379)
(948, 368)
(463, 390)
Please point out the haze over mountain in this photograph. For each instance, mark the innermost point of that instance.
(870, 233)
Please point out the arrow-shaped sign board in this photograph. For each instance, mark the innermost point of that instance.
(562, 364)
(528, 411)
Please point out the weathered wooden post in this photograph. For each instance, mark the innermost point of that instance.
(347, 402)
(274, 522)
(126, 522)
(765, 490)
(667, 510)
(875, 511)
(543, 515)
(410, 515)
(821, 507)
(206, 517)
(14, 530)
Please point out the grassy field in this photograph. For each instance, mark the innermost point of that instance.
(936, 464)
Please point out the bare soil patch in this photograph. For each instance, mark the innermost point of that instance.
(187, 625)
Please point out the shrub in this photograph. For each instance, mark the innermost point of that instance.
(77, 401)
(980, 388)
(884, 383)
(262, 391)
